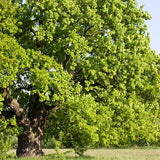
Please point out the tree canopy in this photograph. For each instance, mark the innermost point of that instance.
(86, 64)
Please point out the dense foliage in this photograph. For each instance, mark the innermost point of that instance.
(86, 62)
(8, 128)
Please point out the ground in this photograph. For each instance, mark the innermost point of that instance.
(103, 154)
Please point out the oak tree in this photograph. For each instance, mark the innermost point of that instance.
(87, 63)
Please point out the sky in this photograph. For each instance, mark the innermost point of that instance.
(153, 7)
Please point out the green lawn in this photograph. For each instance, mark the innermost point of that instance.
(102, 154)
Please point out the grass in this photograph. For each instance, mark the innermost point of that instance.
(99, 154)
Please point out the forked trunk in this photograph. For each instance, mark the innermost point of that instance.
(32, 123)
(29, 142)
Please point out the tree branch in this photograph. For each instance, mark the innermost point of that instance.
(87, 29)
(94, 33)
(13, 103)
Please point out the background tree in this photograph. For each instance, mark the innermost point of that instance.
(87, 61)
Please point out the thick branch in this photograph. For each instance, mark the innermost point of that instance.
(12, 103)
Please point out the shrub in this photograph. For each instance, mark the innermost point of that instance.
(8, 128)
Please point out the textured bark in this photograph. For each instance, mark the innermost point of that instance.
(29, 142)
(32, 123)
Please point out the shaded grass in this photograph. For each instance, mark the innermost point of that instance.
(146, 153)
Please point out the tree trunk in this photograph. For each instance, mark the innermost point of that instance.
(29, 142)
(32, 123)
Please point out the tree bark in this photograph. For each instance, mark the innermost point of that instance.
(32, 123)
(29, 142)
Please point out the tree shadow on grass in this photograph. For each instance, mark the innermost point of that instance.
(55, 157)
(80, 158)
